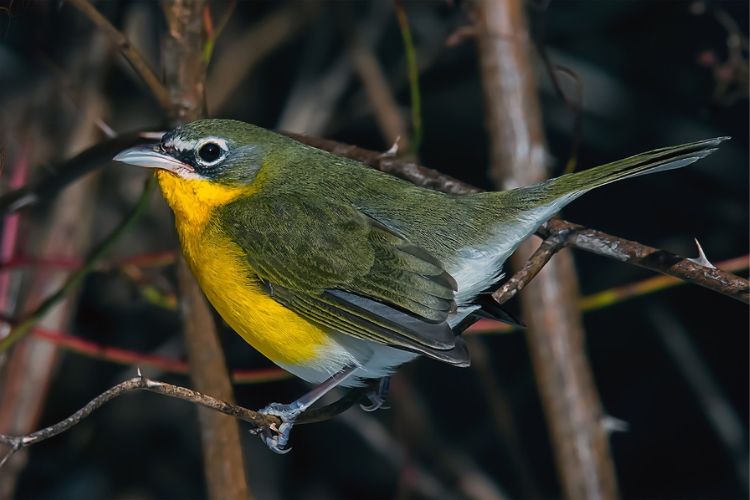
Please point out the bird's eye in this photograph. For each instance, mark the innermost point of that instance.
(210, 152)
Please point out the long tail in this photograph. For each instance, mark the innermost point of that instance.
(507, 218)
(571, 186)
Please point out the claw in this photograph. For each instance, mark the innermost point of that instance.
(277, 439)
(376, 403)
(378, 398)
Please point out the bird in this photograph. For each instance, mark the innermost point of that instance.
(337, 272)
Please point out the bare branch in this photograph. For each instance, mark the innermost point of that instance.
(130, 53)
(534, 264)
(255, 419)
(591, 240)
(651, 258)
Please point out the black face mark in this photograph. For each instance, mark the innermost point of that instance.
(210, 152)
(206, 155)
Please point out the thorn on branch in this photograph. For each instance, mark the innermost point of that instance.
(701, 260)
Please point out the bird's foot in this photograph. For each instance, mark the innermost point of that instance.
(277, 438)
(378, 397)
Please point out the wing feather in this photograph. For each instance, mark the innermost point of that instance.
(341, 269)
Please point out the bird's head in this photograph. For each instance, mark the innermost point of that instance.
(228, 152)
(206, 163)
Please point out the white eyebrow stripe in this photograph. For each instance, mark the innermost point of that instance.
(181, 144)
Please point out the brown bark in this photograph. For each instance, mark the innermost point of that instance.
(550, 303)
(222, 451)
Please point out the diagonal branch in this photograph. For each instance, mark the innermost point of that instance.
(579, 237)
(648, 257)
(257, 420)
(128, 51)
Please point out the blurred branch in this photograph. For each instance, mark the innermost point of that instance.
(185, 71)
(413, 72)
(579, 237)
(244, 52)
(214, 31)
(128, 357)
(129, 52)
(30, 371)
(622, 293)
(713, 401)
(24, 326)
(61, 175)
(379, 94)
(596, 301)
(500, 404)
(731, 76)
(554, 331)
(453, 466)
(574, 105)
(319, 83)
(257, 420)
(142, 261)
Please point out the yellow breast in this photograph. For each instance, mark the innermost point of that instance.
(225, 276)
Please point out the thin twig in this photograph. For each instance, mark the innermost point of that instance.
(128, 51)
(256, 419)
(651, 258)
(621, 293)
(534, 264)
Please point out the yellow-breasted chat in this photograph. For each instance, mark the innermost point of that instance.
(340, 273)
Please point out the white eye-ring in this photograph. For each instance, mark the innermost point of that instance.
(210, 151)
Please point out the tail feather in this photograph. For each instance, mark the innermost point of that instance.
(517, 213)
(658, 160)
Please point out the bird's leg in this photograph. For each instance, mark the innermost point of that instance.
(378, 397)
(278, 439)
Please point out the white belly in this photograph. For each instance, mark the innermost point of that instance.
(373, 360)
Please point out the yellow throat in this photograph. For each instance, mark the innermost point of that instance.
(225, 276)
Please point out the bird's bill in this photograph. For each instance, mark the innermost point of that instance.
(151, 157)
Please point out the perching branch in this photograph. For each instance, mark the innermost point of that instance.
(549, 247)
(576, 236)
(579, 237)
(258, 421)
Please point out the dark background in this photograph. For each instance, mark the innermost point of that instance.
(648, 81)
